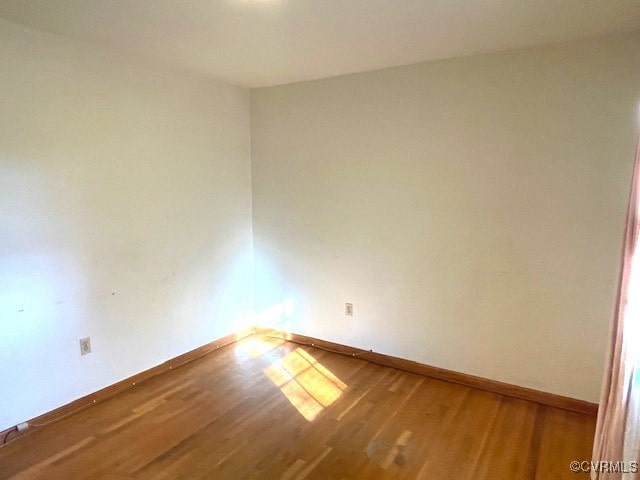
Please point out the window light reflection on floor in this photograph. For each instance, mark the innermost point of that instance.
(308, 385)
(256, 347)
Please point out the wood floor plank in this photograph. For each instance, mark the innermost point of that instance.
(265, 408)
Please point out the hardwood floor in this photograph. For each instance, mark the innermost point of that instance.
(267, 409)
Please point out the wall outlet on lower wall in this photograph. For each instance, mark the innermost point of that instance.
(85, 345)
(348, 309)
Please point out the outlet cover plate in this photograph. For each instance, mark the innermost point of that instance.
(85, 345)
(348, 309)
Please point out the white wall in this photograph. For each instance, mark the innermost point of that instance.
(125, 215)
(470, 209)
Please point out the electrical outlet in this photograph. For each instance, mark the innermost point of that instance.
(348, 309)
(85, 345)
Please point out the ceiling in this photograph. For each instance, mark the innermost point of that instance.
(267, 42)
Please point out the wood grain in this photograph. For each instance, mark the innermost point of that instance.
(104, 393)
(227, 415)
(544, 398)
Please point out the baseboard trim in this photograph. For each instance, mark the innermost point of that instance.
(524, 393)
(111, 390)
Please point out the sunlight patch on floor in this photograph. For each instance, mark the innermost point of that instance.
(257, 346)
(308, 385)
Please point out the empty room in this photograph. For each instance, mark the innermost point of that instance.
(320, 239)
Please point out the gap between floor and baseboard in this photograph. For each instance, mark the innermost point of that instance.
(524, 393)
(537, 396)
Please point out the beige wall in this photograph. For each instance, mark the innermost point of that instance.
(470, 209)
(125, 215)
